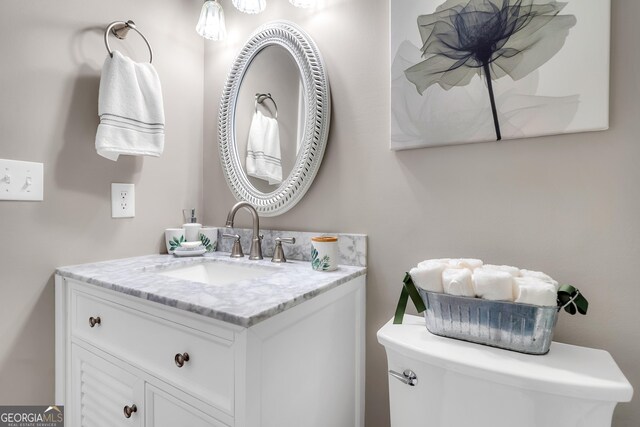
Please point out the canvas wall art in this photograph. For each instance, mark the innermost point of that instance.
(465, 71)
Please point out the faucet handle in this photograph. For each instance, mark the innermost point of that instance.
(278, 252)
(290, 240)
(236, 251)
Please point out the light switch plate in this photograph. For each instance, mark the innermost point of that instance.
(21, 180)
(123, 200)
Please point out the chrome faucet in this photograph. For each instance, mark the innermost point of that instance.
(256, 240)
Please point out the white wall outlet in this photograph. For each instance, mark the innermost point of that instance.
(21, 180)
(123, 201)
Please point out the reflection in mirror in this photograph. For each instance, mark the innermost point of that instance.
(269, 130)
(279, 59)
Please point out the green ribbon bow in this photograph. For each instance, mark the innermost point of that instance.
(572, 300)
(408, 290)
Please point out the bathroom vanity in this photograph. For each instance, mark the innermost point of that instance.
(213, 341)
(210, 341)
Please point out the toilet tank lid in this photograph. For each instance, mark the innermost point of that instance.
(567, 370)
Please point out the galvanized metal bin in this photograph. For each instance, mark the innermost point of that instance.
(519, 327)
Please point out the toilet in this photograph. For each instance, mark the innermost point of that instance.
(443, 382)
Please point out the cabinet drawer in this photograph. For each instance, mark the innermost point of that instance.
(153, 344)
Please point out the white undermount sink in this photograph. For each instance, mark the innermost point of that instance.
(216, 273)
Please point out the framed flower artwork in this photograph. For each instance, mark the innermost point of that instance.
(465, 71)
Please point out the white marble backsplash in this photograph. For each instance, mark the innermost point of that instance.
(352, 247)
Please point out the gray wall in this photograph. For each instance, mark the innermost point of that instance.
(52, 53)
(567, 205)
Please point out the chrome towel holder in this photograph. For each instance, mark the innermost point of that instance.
(261, 97)
(120, 29)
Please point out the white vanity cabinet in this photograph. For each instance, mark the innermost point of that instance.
(125, 361)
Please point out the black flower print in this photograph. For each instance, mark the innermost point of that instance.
(490, 38)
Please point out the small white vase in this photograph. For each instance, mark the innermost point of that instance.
(211, 233)
(175, 235)
(324, 253)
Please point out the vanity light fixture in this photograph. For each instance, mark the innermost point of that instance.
(211, 24)
(250, 6)
(303, 3)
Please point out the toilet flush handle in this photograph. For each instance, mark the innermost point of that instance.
(407, 377)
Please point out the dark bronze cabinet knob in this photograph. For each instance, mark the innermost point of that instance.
(128, 410)
(180, 359)
(93, 321)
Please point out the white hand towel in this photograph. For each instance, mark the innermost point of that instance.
(541, 276)
(514, 271)
(492, 284)
(263, 149)
(458, 281)
(433, 261)
(470, 263)
(130, 108)
(529, 290)
(428, 276)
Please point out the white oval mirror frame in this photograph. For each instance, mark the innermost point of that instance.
(316, 124)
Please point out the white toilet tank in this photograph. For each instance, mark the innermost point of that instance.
(460, 384)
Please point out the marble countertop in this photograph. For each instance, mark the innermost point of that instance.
(244, 303)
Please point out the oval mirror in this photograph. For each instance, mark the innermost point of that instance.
(274, 118)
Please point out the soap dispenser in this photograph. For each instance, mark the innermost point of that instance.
(191, 228)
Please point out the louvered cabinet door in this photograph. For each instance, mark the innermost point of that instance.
(103, 395)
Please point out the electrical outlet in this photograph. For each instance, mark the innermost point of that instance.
(123, 201)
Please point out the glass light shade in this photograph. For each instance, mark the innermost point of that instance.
(211, 24)
(250, 6)
(303, 3)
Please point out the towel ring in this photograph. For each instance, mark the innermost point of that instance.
(260, 97)
(120, 29)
